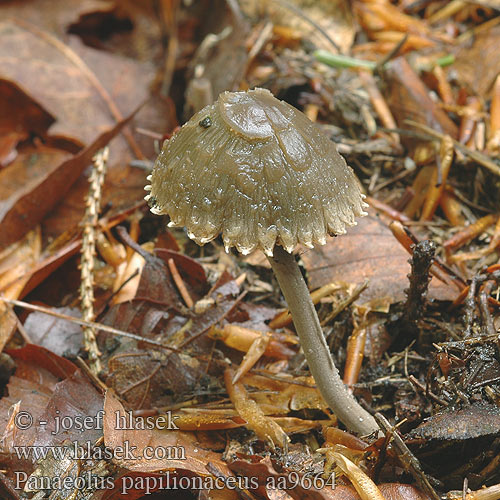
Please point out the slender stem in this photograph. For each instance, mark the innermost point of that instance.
(316, 351)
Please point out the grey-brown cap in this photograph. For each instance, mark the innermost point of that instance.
(259, 172)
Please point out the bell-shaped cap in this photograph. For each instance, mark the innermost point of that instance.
(259, 172)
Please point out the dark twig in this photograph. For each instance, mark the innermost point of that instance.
(470, 302)
(477, 156)
(484, 293)
(92, 324)
(406, 457)
(392, 54)
(421, 261)
(405, 328)
(302, 15)
(470, 307)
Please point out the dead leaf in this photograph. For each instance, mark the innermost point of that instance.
(64, 84)
(184, 451)
(367, 251)
(268, 478)
(25, 205)
(479, 77)
(44, 400)
(57, 335)
(409, 98)
(469, 422)
(265, 428)
(21, 116)
(316, 22)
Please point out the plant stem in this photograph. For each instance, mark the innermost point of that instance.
(313, 343)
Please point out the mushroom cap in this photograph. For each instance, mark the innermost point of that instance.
(257, 170)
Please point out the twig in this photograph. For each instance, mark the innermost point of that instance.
(470, 306)
(438, 179)
(285, 318)
(180, 283)
(405, 328)
(484, 293)
(91, 324)
(421, 262)
(392, 53)
(414, 381)
(474, 155)
(302, 15)
(470, 303)
(379, 103)
(438, 269)
(347, 302)
(90, 221)
(406, 457)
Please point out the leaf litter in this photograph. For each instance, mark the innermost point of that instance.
(415, 111)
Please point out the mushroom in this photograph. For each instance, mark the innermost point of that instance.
(259, 172)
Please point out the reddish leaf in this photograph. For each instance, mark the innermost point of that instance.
(41, 357)
(60, 80)
(180, 444)
(265, 474)
(43, 402)
(26, 206)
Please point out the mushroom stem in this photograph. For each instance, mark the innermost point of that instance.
(313, 343)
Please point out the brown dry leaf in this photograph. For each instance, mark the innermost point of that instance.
(85, 91)
(21, 117)
(54, 19)
(58, 335)
(64, 85)
(409, 99)
(383, 16)
(150, 377)
(24, 205)
(368, 251)
(242, 339)
(16, 265)
(464, 423)
(64, 247)
(191, 270)
(21, 205)
(334, 17)
(75, 398)
(39, 358)
(262, 470)
(17, 261)
(185, 451)
(199, 419)
(399, 491)
(364, 485)
(479, 77)
(45, 398)
(156, 283)
(282, 396)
